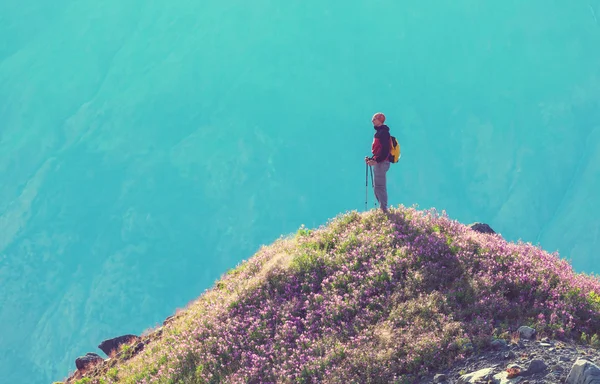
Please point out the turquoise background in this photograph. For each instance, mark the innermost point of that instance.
(147, 147)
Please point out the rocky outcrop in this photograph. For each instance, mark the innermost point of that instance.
(584, 372)
(112, 345)
(90, 359)
(114, 349)
(525, 360)
(482, 228)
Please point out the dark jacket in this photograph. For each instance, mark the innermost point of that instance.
(381, 144)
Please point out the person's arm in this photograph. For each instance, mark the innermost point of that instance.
(381, 148)
(375, 149)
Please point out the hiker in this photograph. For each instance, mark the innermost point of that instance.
(380, 159)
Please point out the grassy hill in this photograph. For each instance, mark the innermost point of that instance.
(365, 298)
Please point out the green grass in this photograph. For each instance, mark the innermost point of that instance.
(366, 297)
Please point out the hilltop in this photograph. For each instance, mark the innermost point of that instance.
(368, 297)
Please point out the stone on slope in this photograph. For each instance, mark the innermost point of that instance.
(535, 366)
(83, 362)
(499, 344)
(168, 320)
(482, 228)
(110, 345)
(477, 376)
(502, 378)
(584, 372)
(526, 332)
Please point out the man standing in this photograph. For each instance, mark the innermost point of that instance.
(380, 159)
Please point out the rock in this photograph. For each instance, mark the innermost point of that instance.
(551, 378)
(139, 347)
(526, 332)
(168, 320)
(502, 378)
(477, 376)
(531, 363)
(499, 344)
(112, 345)
(482, 228)
(545, 345)
(584, 372)
(83, 362)
(440, 378)
(130, 352)
(535, 366)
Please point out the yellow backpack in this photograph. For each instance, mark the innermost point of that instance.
(394, 150)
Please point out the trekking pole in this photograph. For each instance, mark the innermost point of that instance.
(373, 185)
(366, 185)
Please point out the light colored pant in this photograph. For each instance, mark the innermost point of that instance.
(379, 183)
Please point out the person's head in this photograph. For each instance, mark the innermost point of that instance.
(378, 119)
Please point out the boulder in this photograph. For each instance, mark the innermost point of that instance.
(526, 332)
(83, 362)
(535, 366)
(584, 372)
(499, 344)
(482, 228)
(110, 345)
(477, 377)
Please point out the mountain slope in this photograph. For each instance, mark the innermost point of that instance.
(366, 296)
